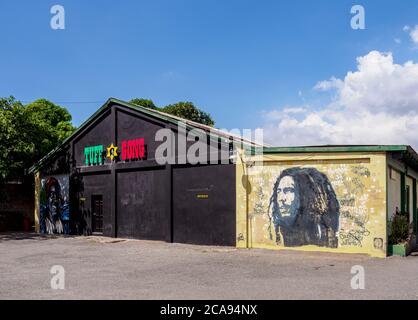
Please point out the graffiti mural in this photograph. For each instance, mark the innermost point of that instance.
(354, 212)
(54, 205)
(304, 209)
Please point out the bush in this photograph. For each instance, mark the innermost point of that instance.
(399, 229)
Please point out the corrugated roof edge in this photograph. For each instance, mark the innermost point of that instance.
(350, 148)
(409, 155)
(153, 113)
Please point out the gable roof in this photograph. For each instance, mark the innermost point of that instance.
(165, 117)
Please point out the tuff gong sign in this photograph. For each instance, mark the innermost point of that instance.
(131, 150)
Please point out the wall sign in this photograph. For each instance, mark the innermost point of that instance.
(112, 152)
(131, 150)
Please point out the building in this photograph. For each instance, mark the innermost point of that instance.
(109, 178)
(347, 194)
(16, 205)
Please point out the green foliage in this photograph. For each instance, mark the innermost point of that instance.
(147, 103)
(399, 229)
(27, 133)
(186, 110)
(11, 147)
(51, 124)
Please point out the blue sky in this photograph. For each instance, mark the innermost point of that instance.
(235, 59)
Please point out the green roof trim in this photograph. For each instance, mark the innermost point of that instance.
(407, 153)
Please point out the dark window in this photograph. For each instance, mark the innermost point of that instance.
(97, 210)
(408, 200)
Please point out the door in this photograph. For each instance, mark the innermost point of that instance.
(143, 205)
(97, 213)
(204, 205)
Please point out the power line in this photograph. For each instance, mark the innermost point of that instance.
(65, 102)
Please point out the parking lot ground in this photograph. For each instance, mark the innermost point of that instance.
(106, 268)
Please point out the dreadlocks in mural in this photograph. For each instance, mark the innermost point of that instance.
(54, 206)
(304, 209)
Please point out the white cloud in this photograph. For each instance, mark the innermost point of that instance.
(406, 28)
(279, 115)
(326, 85)
(376, 104)
(397, 40)
(414, 35)
(294, 110)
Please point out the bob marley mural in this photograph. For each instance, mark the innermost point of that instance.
(54, 205)
(303, 209)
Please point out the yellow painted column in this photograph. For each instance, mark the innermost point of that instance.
(241, 201)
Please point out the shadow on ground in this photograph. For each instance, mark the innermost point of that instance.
(8, 236)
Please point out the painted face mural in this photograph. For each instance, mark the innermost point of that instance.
(304, 209)
(54, 206)
(288, 200)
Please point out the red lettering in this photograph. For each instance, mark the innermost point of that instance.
(141, 148)
(133, 149)
(124, 151)
(136, 149)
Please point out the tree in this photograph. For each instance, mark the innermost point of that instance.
(186, 110)
(52, 122)
(147, 103)
(12, 136)
(27, 133)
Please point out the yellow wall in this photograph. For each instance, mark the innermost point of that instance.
(241, 200)
(394, 192)
(359, 182)
(37, 197)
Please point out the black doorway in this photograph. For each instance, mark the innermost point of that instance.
(97, 213)
(204, 205)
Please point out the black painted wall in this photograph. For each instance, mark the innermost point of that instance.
(132, 125)
(204, 205)
(142, 199)
(142, 207)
